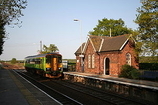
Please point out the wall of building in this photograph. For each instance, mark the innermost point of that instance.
(117, 59)
(129, 49)
(114, 62)
(90, 51)
(78, 63)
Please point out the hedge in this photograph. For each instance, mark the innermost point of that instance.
(148, 66)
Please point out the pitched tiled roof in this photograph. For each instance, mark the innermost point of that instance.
(114, 43)
(96, 40)
(79, 49)
(104, 43)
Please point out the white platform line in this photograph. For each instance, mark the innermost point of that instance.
(39, 89)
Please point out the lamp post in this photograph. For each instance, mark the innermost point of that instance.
(81, 55)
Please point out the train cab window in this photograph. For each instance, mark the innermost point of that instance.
(27, 61)
(48, 59)
(59, 59)
(54, 56)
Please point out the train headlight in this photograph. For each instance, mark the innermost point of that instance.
(60, 69)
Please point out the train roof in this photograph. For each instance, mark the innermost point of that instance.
(41, 55)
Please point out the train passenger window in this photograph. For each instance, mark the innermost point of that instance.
(32, 61)
(37, 61)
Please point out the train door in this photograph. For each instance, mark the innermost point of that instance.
(54, 64)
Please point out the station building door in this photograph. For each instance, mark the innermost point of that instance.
(106, 66)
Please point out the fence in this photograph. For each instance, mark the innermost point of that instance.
(148, 66)
(150, 75)
(69, 65)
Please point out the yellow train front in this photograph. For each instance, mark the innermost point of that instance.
(47, 65)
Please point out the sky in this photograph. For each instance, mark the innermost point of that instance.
(52, 22)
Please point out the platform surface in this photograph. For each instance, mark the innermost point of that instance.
(9, 92)
(14, 90)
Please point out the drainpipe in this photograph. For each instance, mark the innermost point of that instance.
(110, 32)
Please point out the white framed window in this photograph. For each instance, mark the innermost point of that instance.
(89, 61)
(128, 59)
(93, 61)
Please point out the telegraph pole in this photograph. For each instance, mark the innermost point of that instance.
(81, 55)
(40, 46)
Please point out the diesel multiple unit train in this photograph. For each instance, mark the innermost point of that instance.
(48, 65)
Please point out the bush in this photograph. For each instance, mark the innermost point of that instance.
(135, 74)
(128, 71)
(13, 61)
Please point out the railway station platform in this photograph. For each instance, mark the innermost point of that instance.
(141, 90)
(116, 79)
(14, 90)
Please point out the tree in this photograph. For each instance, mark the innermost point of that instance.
(104, 26)
(2, 35)
(10, 12)
(147, 19)
(51, 48)
(13, 61)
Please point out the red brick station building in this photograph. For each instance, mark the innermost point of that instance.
(105, 55)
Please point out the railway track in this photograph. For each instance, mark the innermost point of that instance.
(60, 97)
(105, 96)
(62, 90)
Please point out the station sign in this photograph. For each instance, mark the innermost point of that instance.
(81, 55)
